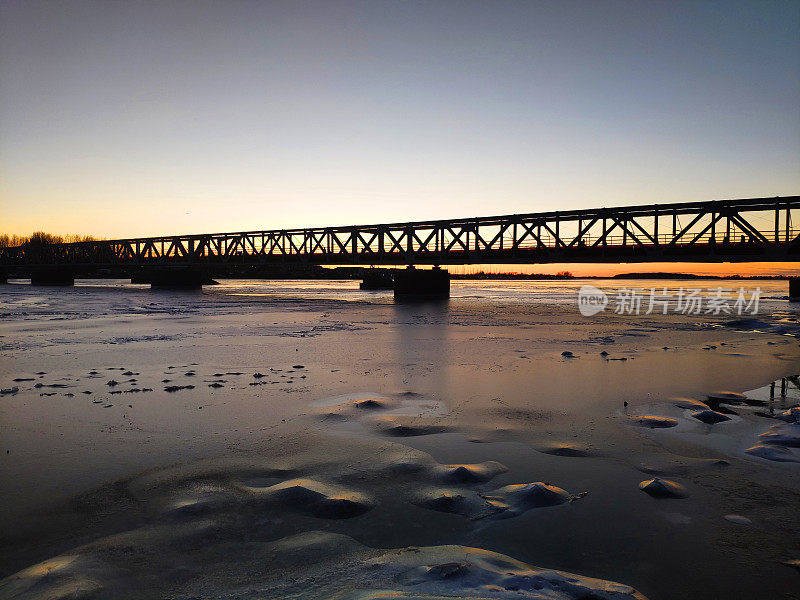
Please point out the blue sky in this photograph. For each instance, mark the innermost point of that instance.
(138, 118)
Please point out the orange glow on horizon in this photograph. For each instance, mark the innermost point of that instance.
(752, 269)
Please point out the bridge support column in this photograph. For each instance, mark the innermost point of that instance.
(377, 279)
(185, 279)
(140, 277)
(414, 283)
(52, 276)
(794, 289)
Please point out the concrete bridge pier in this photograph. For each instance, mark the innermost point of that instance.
(377, 279)
(414, 283)
(52, 276)
(794, 289)
(184, 279)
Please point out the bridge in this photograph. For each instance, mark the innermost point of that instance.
(744, 230)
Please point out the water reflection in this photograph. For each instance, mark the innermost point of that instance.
(423, 343)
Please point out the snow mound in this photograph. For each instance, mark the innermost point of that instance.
(785, 434)
(312, 565)
(773, 453)
(663, 488)
(653, 421)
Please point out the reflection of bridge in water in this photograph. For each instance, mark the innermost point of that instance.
(749, 230)
(777, 397)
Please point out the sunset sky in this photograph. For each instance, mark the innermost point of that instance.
(123, 119)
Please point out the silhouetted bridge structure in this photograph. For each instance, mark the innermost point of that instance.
(755, 229)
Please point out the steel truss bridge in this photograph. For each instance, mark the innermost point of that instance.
(755, 229)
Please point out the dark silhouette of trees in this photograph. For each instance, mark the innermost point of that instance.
(42, 238)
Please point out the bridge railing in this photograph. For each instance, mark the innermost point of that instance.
(546, 241)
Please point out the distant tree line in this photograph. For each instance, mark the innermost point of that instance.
(484, 275)
(42, 238)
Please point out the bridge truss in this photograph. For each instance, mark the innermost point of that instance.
(756, 229)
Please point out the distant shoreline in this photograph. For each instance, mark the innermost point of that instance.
(523, 276)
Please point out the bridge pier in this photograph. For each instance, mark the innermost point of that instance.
(414, 283)
(183, 279)
(377, 279)
(794, 289)
(52, 276)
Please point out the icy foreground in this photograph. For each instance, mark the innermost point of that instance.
(195, 446)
